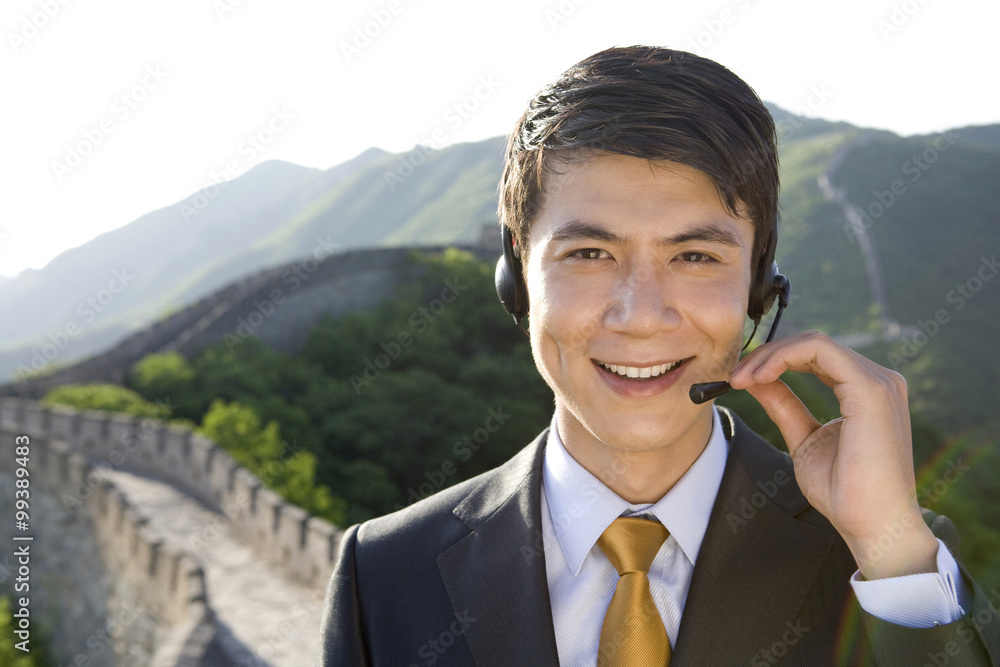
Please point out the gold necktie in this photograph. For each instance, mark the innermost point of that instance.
(633, 634)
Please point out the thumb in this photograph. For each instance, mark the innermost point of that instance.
(785, 409)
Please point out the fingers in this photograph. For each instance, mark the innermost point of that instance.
(806, 353)
(819, 355)
(864, 389)
(785, 409)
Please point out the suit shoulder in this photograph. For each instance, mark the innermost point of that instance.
(432, 513)
(434, 521)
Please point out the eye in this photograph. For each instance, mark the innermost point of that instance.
(695, 257)
(589, 253)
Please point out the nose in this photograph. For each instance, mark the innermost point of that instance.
(642, 304)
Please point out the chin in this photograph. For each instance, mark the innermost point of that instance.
(642, 431)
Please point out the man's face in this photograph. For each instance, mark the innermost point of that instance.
(638, 280)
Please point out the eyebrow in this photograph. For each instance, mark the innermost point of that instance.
(577, 230)
(710, 233)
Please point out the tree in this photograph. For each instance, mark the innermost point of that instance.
(110, 397)
(168, 377)
(288, 471)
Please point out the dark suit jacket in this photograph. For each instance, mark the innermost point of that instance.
(459, 579)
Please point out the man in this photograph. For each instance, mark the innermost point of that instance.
(640, 194)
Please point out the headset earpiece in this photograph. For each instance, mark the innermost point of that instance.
(768, 282)
(763, 292)
(509, 279)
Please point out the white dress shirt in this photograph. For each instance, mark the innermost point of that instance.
(577, 508)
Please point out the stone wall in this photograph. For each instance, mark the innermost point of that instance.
(302, 545)
(71, 454)
(107, 588)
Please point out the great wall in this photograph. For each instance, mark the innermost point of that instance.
(151, 545)
(94, 469)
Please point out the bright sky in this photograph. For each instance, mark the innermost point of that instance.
(115, 107)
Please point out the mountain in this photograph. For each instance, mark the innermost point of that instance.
(980, 134)
(934, 215)
(879, 233)
(91, 296)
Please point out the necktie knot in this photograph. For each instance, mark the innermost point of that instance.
(631, 544)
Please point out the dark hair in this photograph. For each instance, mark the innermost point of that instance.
(653, 103)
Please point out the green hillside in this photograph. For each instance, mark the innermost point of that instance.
(829, 288)
(938, 239)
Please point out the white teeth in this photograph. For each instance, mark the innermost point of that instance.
(636, 372)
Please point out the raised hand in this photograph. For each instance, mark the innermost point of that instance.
(857, 470)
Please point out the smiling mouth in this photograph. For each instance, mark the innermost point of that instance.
(639, 372)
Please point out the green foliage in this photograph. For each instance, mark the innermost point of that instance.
(249, 374)
(110, 397)
(237, 429)
(10, 655)
(167, 375)
(957, 478)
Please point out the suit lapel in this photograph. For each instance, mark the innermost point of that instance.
(496, 574)
(757, 562)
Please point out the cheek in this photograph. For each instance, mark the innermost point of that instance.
(719, 312)
(559, 316)
(563, 320)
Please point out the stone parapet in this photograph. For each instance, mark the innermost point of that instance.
(82, 443)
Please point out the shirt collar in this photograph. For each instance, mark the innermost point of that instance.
(581, 507)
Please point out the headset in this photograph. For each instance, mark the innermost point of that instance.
(509, 279)
(767, 285)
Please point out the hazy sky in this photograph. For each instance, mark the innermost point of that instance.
(116, 108)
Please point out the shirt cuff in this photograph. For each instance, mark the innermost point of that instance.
(917, 600)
